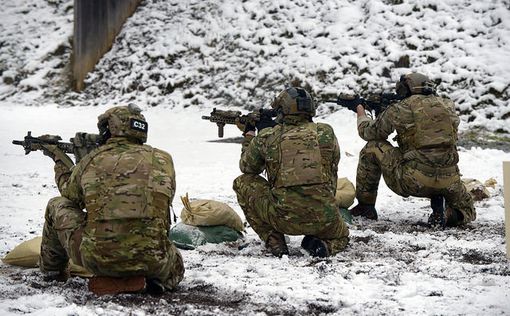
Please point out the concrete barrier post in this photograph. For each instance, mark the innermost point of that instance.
(506, 185)
(96, 24)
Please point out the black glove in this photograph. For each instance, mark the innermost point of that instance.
(265, 121)
(249, 127)
(351, 102)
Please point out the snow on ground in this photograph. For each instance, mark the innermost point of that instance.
(395, 266)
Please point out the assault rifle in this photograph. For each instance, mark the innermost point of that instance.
(376, 102)
(221, 117)
(79, 146)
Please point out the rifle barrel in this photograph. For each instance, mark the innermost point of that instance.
(17, 142)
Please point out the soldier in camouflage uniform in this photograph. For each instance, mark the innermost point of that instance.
(301, 163)
(127, 189)
(425, 162)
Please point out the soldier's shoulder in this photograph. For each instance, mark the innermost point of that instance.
(326, 133)
(446, 99)
(161, 158)
(267, 132)
(157, 151)
(324, 126)
(407, 103)
(409, 100)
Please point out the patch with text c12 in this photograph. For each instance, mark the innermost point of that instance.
(138, 125)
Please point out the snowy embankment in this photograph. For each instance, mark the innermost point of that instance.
(231, 53)
(393, 266)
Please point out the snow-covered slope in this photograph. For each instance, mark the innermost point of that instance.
(231, 53)
(35, 49)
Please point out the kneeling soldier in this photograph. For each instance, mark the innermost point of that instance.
(301, 162)
(127, 189)
(425, 162)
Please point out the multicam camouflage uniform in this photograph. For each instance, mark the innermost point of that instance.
(424, 164)
(127, 189)
(301, 161)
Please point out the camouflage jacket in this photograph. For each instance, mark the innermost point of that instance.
(300, 179)
(428, 136)
(127, 190)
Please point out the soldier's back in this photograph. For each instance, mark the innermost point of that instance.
(127, 188)
(427, 130)
(301, 161)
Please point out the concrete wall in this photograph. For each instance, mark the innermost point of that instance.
(96, 23)
(506, 192)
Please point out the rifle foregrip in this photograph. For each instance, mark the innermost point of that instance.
(221, 127)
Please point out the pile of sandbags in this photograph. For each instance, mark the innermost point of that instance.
(206, 221)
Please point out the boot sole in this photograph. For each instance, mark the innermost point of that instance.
(315, 247)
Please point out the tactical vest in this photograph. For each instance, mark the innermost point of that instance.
(127, 183)
(432, 125)
(300, 158)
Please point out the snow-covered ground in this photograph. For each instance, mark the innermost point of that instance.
(178, 59)
(393, 266)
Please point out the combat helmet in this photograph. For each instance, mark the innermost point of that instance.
(293, 101)
(123, 121)
(414, 83)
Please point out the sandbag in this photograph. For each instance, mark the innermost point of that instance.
(477, 189)
(27, 255)
(209, 213)
(346, 215)
(189, 237)
(345, 193)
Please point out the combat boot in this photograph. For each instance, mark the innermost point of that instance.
(55, 275)
(453, 217)
(364, 210)
(59, 276)
(315, 246)
(277, 245)
(154, 287)
(438, 216)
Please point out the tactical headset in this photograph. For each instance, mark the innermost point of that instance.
(294, 100)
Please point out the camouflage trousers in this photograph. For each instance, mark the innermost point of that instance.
(62, 236)
(255, 198)
(406, 179)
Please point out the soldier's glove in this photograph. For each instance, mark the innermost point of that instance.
(240, 125)
(351, 101)
(56, 154)
(265, 121)
(249, 127)
(51, 151)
